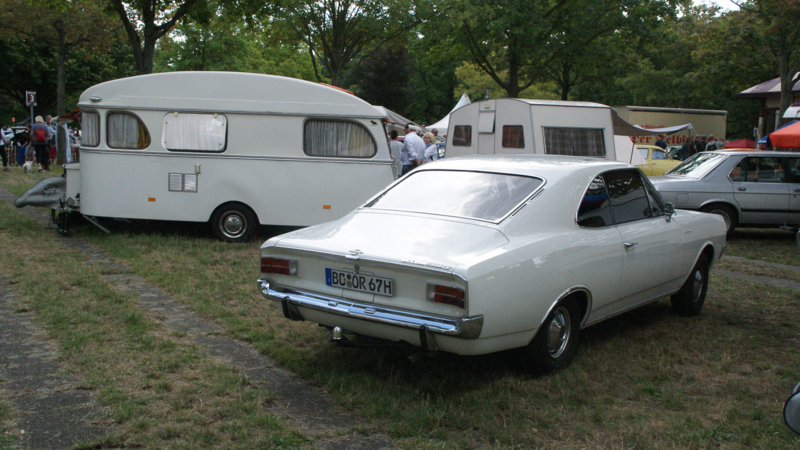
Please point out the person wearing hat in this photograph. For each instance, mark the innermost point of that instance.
(661, 142)
(40, 137)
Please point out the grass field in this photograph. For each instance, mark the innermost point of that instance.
(643, 380)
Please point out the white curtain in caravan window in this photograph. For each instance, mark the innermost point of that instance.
(338, 139)
(124, 131)
(195, 132)
(90, 129)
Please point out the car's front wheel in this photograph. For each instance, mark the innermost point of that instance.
(557, 339)
(689, 300)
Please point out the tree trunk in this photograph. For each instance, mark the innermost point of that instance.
(786, 74)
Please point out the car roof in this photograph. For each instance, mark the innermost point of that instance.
(552, 166)
(752, 152)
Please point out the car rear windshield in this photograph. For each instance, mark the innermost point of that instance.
(698, 165)
(474, 195)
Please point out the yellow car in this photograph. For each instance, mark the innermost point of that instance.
(658, 161)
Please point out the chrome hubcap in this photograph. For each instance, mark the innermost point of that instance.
(558, 332)
(725, 216)
(697, 285)
(233, 225)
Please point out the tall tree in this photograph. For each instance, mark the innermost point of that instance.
(508, 39)
(340, 34)
(147, 21)
(60, 24)
(780, 18)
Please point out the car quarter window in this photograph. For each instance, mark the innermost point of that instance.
(759, 169)
(629, 200)
(643, 152)
(793, 169)
(595, 208)
(656, 204)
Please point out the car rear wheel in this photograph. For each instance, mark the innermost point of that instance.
(689, 300)
(234, 222)
(727, 213)
(557, 339)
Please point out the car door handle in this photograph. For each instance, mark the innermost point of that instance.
(742, 189)
(629, 244)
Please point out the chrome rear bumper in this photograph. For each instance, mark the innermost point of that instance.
(464, 328)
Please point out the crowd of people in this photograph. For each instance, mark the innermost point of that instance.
(413, 151)
(699, 144)
(34, 144)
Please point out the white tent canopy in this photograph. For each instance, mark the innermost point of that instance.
(625, 151)
(442, 124)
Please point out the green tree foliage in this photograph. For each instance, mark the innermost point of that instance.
(340, 34)
(63, 26)
(147, 21)
(780, 20)
(229, 43)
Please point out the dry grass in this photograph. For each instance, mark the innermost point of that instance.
(643, 380)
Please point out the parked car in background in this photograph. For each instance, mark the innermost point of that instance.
(658, 160)
(479, 254)
(747, 188)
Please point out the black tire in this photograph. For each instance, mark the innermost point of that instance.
(557, 339)
(234, 222)
(728, 213)
(689, 300)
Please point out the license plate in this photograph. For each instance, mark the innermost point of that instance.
(359, 282)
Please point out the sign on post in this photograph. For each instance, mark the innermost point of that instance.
(30, 98)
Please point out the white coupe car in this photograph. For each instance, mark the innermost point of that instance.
(480, 254)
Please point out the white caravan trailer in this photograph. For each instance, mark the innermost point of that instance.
(512, 125)
(235, 149)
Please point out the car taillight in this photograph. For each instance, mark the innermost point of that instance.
(278, 265)
(446, 294)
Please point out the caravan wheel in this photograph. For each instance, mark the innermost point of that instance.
(234, 222)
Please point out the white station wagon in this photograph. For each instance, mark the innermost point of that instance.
(485, 253)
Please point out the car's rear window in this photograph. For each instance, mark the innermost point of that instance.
(698, 165)
(474, 195)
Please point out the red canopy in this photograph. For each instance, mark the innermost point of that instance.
(741, 143)
(786, 137)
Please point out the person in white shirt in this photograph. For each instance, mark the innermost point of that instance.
(431, 151)
(396, 149)
(413, 150)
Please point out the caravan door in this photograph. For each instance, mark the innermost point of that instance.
(486, 120)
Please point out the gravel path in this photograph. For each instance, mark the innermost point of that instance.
(307, 408)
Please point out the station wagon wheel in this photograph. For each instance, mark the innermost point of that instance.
(234, 222)
(690, 299)
(727, 213)
(556, 340)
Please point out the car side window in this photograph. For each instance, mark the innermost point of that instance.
(659, 154)
(656, 204)
(629, 200)
(595, 208)
(759, 169)
(643, 152)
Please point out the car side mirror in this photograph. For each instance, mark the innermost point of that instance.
(669, 211)
(791, 411)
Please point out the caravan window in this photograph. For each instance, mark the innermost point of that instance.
(195, 132)
(124, 130)
(462, 136)
(574, 141)
(337, 139)
(513, 136)
(90, 129)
